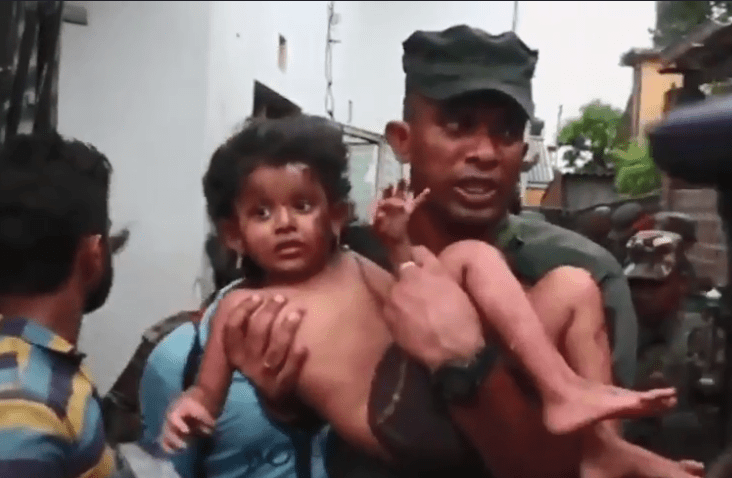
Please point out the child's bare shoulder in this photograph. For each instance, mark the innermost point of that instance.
(373, 274)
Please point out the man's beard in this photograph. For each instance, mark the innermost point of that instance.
(97, 297)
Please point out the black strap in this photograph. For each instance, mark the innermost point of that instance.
(303, 444)
(204, 444)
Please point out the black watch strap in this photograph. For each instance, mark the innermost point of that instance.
(458, 383)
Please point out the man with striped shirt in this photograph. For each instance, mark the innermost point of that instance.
(55, 266)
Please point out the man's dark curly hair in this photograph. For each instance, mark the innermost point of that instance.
(310, 140)
(53, 192)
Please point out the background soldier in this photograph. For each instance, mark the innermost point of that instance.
(658, 275)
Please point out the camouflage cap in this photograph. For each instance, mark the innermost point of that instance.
(652, 255)
(681, 224)
(462, 59)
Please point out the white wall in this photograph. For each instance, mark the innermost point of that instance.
(244, 46)
(133, 83)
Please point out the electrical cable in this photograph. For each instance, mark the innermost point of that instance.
(329, 98)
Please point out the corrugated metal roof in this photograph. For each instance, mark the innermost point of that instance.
(694, 39)
(591, 174)
(637, 55)
(542, 173)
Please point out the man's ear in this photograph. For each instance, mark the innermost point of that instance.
(525, 151)
(398, 135)
(230, 233)
(91, 254)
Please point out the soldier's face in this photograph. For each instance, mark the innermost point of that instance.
(657, 301)
(468, 151)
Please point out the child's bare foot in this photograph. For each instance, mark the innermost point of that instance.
(692, 467)
(613, 457)
(589, 402)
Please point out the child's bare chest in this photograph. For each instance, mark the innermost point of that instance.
(343, 329)
(336, 312)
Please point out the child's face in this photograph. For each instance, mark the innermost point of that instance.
(285, 221)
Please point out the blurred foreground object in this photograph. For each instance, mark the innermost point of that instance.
(694, 143)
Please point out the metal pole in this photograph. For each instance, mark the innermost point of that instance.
(556, 137)
(515, 16)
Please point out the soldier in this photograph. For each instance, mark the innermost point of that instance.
(658, 284)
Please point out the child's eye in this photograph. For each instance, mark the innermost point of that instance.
(262, 212)
(303, 206)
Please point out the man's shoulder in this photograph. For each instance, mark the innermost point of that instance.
(48, 403)
(553, 246)
(49, 385)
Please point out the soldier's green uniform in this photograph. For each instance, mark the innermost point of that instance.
(536, 247)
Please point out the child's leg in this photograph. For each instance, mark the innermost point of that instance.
(508, 422)
(570, 305)
(570, 402)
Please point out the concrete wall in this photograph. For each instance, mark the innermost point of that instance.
(133, 83)
(244, 39)
(534, 196)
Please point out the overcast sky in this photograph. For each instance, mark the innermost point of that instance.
(580, 44)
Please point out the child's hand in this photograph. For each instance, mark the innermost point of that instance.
(393, 212)
(185, 418)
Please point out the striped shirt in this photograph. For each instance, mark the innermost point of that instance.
(50, 414)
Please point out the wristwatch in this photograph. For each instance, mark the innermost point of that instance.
(457, 382)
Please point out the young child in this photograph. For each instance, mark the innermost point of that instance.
(285, 212)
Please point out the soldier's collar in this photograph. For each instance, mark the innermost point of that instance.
(508, 235)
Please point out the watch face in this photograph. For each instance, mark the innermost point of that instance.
(457, 384)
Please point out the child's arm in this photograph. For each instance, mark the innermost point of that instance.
(391, 222)
(214, 374)
(195, 410)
